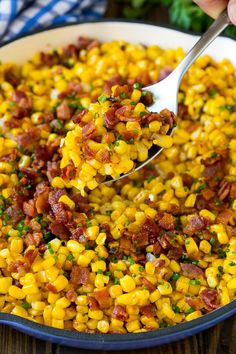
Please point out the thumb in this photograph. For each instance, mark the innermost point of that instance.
(213, 7)
(232, 11)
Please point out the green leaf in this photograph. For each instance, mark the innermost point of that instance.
(138, 3)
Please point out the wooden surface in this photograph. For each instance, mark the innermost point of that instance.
(217, 340)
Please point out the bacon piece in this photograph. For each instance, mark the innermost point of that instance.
(63, 111)
(164, 72)
(196, 223)
(159, 263)
(207, 193)
(147, 99)
(106, 228)
(147, 310)
(224, 189)
(233, 190)
(224, 216)
(110, 119)
(78, 116)
(48, 116)
(103, 298)
(34, 225)
(53, 170)
(175, 253)
(93, 304)
(109, 138)
(51, 288)
(195, 302)
(124, 114)
(103, 155)
(79, 275)
(33, 239)
(88, 153)
(148, 284)
(129, 134)
(88, 131)
(71, 295)
(29, 138)
(187, 180)
(19, 267)
(149, 230)
(10, 157)
(68, 172)
(125, 244)
(210, 299)
(30, 255)
(22, 99)
(14, 213)
(41, 197)
(29, 208)
(10, 76)
(60, 230)
(79, 234)
(121, 89)
(167, 222)
(82, 203)
(114, 80)
(190, 270)
(119, 312)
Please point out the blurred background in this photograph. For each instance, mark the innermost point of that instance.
(181, 14)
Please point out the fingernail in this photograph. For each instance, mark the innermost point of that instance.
(232, 11)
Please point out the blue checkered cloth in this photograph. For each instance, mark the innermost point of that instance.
(18, 17)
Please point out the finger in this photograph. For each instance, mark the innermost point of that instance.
(212, 7)
(232, 11)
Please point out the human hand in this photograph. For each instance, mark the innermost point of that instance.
(215, 7)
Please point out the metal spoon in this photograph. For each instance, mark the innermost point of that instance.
(165, 92)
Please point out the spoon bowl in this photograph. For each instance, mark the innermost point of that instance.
(165, 92)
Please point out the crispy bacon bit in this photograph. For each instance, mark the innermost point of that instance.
(147, 99)
(210, 299)
(224, 216)
(121, 89)
(33, 239)
(119, 312)
(109, 138)
(71, 295)
(127, 135)
(159, 263)
(81, 203)
(224, 190)
(115, 80)
(167, 222)
(60, 230)
(195, 302)
(196, 223)
(79, 275)
(207, 193)
(22, 99)
(30, 255)
(29, 138)
(10, 76)
(103, 155)
(190, 270)
(110, 119)
(187, 180)
(29, 208)
(103, 298)
(233, 190)
(78, 116)
(166, 71)
(93, 304)
(124, 114)
(19, 267)
(149, 231)
(148, 284)
(147, 311)
(51, 288)
(53, 170)
(63, 111)
(88, 131)
(88, 153)
(14, 213)
(175, 253)
(41, 197)
(125, 244)
(68, 172)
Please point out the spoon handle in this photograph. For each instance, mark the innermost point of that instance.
(213, 31)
